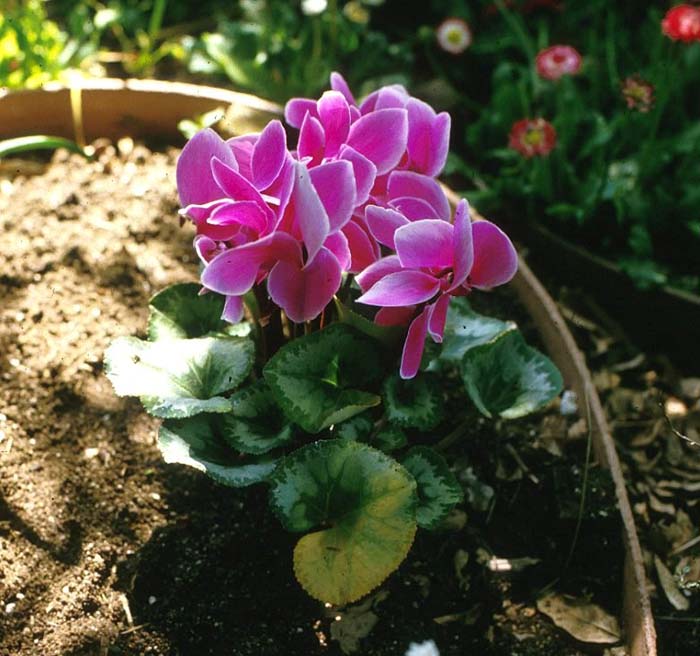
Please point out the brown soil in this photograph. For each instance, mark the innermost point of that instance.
(106, 550)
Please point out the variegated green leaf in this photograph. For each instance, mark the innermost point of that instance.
(196, 442)
(438, 489)
(507, 377)
(179, 312)
(178, 378)
(466, 329)
(365, 502)
(416, 403)
(318, 380)
(256, 424)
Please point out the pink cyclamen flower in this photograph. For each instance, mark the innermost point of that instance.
(638, 93)
(261, 215)
(532, 136)
(556, 61)
(454, 36)
(434, 260)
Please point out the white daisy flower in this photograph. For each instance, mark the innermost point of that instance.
(454, 35)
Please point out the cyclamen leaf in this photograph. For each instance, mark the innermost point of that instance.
(195, 442)
(389, 438)
(438, 489)
(415, 403)
(356, 428)
(179, 378)
(256, 424)
(366, 497)
(360, 427)
(466, 329)
(314, 378)
(179, 311)
(507, 377)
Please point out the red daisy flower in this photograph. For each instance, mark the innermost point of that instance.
(557, 61)
(682, 23)
(532, 136)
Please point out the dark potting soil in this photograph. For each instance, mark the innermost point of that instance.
(104, 549)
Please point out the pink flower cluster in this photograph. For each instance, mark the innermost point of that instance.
(358, 195)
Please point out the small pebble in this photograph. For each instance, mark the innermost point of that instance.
(10, 607)
(151, 600)
(569, 403)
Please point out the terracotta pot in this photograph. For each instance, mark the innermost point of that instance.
(142, 108)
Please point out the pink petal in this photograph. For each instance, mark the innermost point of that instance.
(312, 140)
(428, 137)
(425, 244)
(415, 209)
(409, 183)
(234, 272)
(338, 83)
(233, 309)
(394, 316)
(438, 317)
(269, 155)
(296, 110)
(495, 258)
(383, 98)
(440, 138)
(334, 113)
(391, 96)
(376, 271)
(279, 193)
(335, 184)
(205, 247)
(414, 345)
(402, 288)
(337, 243)
(246, 212)
(303, 293)
(195, 182)
(308, 211)
(242, 148)
(233, 184)
(383, 223)
(362, 248)
(381, 137)
(365, 173)
(463, 245)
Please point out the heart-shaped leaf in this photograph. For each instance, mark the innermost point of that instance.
(438, 489)
(256, 423)
(416, 403)
(360, 428)
(367, 501)
(196, 442)
(389, 438)
(178, 378)
(315, 378)
(356, 428)
(466, 329)
(507, 377)
(179, 312)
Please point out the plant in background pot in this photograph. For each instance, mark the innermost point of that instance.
(300, 360)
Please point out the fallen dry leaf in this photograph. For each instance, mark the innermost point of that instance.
(675, 597)
(585, 621)
(356, 622)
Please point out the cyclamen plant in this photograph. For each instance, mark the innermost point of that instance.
(320, 236)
